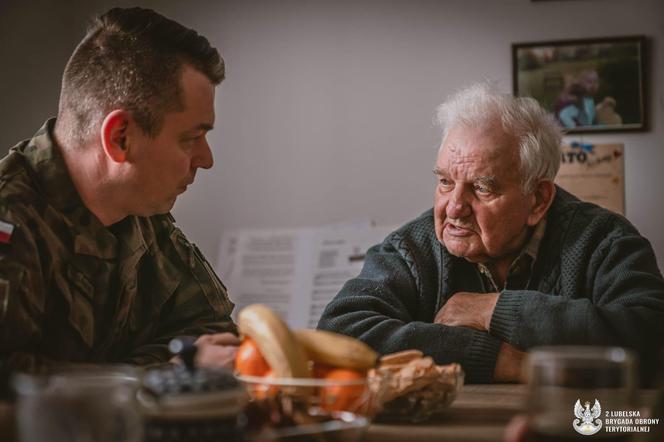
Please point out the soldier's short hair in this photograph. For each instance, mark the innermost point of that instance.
(131, 59)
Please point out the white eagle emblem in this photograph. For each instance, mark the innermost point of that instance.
(585, 416)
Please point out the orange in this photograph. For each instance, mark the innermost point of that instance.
(249, 361)
(321, 370)
(343, 397)
(264, 391)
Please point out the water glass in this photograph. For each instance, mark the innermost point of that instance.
(578, 391)
(79, 405)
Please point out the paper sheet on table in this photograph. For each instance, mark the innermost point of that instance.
(296, 272)
(339, 256)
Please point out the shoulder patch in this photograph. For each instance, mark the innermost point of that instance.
(6, 230)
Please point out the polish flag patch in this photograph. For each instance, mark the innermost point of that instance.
(6, 230)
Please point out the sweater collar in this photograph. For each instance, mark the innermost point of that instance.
(521, 268)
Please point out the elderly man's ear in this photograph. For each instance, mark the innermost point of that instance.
(543, 197)
(114, 134)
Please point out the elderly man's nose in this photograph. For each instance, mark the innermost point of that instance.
(457, 206)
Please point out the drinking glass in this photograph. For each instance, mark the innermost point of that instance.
(78, 405)
(573, 391)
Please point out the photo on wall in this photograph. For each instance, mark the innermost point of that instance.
(592, 85)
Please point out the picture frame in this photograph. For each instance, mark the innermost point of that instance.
(589, 85)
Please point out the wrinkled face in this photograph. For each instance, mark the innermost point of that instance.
(165, 165)
(480, 211)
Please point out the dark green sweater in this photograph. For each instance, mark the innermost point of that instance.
(595, 282)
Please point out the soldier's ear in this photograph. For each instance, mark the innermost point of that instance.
(114, 135)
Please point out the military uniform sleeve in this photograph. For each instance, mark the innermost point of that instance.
(199, 304)
(383, 307)
(22, 300)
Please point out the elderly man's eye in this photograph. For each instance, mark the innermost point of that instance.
(444, 182)
(482, 190)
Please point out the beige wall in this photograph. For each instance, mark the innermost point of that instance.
(326, 112)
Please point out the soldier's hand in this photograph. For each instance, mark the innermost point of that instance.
(216, 350)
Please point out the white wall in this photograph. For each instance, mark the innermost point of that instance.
(326, 112)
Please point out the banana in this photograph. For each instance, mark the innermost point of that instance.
(336, 349)
(276, 342)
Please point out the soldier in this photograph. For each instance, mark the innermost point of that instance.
(92, 267)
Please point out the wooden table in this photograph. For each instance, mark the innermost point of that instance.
(479, 414)
(7, 427)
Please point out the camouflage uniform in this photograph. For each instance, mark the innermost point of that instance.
(72, 290)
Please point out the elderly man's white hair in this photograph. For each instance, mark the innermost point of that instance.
(536, 131)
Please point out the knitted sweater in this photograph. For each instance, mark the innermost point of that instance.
(595, 282)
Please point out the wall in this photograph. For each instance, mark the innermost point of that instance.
(326, 112)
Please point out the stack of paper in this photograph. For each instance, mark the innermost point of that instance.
(296, 272)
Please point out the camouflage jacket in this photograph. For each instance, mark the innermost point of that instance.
(72, 290)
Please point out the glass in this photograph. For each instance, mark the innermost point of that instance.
(78, 405)
(573, 392)
(299, 409)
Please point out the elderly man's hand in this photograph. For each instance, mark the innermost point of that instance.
(465, 309)
(508, 364)
(216, 350)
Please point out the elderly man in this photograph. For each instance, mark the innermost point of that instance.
(505, 260)
(92, 268)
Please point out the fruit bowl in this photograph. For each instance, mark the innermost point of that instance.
(320, 409)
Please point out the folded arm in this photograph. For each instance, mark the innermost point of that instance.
(385, 308)
(622, 304)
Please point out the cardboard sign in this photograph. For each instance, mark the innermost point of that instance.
(594, 173)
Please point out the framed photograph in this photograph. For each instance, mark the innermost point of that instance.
(592, 85)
